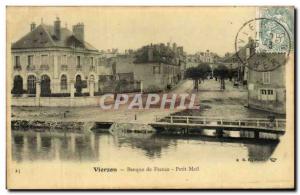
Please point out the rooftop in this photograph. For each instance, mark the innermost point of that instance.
(43, 36)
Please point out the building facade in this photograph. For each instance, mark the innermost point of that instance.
(267, 90)
(154, 67)
(206, 57)
(54, 61)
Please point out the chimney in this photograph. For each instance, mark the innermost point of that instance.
(57, 28)
(78, 31)
(32, 26)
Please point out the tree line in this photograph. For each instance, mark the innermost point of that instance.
(203, 71)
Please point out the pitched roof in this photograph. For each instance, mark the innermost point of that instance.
(43, 37)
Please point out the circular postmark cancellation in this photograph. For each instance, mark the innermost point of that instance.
(262, 44)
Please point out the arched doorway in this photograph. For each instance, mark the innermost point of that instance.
(18, 85)
(78, 85)
(31, 84)
(45, 86)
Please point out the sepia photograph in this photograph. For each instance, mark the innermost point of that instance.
(150, 97)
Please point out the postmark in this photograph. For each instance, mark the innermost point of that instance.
(262, 44)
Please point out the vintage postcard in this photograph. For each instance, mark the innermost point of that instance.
(150, 97)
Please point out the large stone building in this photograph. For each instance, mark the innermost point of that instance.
(51, 60)
(154, 67)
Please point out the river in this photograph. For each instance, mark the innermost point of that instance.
(102, 147)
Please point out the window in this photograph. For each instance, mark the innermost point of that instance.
(267, 94)
(91, 61)
(44, 60)
(63, 82)
(266, 77)
(17, 61)
(270, 92)
(31, 84)
(64, 60)
(30, 60)
(78, 61)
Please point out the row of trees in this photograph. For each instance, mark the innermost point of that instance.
(203, 71)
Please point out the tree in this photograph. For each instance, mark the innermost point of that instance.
(198, 73)
(121, 85)
(222, 72)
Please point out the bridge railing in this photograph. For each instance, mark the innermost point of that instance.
(219, 121)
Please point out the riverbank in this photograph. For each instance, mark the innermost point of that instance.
(213, 103)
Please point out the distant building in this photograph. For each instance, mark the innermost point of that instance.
(231, 61)
(192, 61)
(206, 57)
(154, 67)
(51, 60)
(201, 57)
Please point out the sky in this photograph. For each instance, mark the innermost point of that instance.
(194, 28)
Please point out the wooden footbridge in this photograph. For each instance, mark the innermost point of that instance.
(256, 125)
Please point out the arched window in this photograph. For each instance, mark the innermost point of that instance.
(31, 84)
(45, 86)
(78, 84)
(18, 85)
(63, 82)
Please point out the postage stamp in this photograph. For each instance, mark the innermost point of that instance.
(263, 36)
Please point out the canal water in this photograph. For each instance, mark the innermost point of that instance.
(102, 147)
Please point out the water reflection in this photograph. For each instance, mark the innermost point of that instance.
(34, 146)
(152, 146)
(80, 147)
